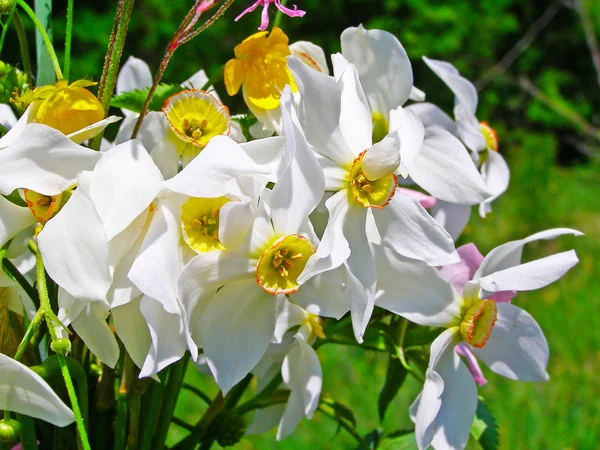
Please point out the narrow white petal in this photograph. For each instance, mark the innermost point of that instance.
(496, 174)
(135, 74)
(8, 118)
(92, 130)
(221, 160)
(416, 94)
(133, 331)
(383, 66)
(382, 158)
(326, 293)
(237, 326)
(301, 185)
(311, 55)
(509, 255)
(44, 160)
(414, 290)
(410, 131)
(444, 168)
(23, 391)
(432, 116)
(266, 419)
(517, 347)
(319, 112)
(465, 91)
(90, 324)
(267, 152)
(406, 227)
(168, 336)
(75, 248)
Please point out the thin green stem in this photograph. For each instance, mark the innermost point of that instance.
(170, 399)
(402, 336)
(135, 407)
(198, 392)
(74, 402)
(45, 37)
(28, 435)
(362, 443)
(23, 46)
(68, 38)
(279, 15)
(5, 27)
(123, 397)
(151, 422)
(260, 403)
(112, 60)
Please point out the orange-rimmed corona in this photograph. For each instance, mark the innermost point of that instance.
(371, 193)
(478, 322)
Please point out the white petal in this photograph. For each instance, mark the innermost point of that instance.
(23, 391)
(509, 255)
(8, 118)
(13, 219)
(319, 112)
(92, 130)
(414, 290)
(168, 336)
(289, 315)
(197, 81)
(124, 183)
(469, 128)
(132, 330)
(465, 91)
(356, 121)
(517, 347)
(382, 158)
(432, 116)
(444, 168)
(158, 263)
(221, 160)
(334, 248)
(265, 419)
(267, 152)
(232, 343)
(44, 160)
(529, 276)
(383, 66)
(301, 185)
(405, 226)
(311, 55)
(496, 174)
(452, 217)
(410, 131)
(16, 129)
(326, 293)
(135, 74)
(166, 155)
(75, 248)
(235, 221)
(154, 129)
(301, 371)
(416, 94)
(90, 324)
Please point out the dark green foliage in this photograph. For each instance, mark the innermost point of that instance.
(395, 376)
(485, 428)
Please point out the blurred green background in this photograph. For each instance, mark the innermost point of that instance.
(545, 107)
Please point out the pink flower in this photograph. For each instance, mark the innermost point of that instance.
(265, 12)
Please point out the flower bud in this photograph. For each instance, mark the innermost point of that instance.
(9, 431)
(7, 6)
(61, 346)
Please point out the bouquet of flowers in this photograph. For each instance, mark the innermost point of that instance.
(327, 214)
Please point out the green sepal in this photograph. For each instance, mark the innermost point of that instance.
(15, 198)
(485, 428)
(134, 100)
(395, 376)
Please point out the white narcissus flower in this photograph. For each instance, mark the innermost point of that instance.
(337, 122)
(257, 270)
(506, 338)
(23, 391)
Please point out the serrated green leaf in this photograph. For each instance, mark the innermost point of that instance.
(15, 198)
(134, 100)
(484, 428)
(395, 376)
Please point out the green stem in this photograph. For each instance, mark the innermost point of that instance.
(45, 37)
(151, 422)
(52, 321)
(261, 403)
(190, 442)
(123, 402)
(112, 61)
(28, 435)
(5, 27)
(68, 38)
(362, 444)
(402, 336)
(170, 399)
(104, 406)
(24, 47)
(135, 406)
(198, 392)
(279, 15)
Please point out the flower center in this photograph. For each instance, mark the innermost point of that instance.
(67, 108)
(196, 117)
(478, 322)
(316, 326)
(371, 193)
(491, 138)
(45, 207)
(200, 223)
(281, 264)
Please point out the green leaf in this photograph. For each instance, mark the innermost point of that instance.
(420, 335)
(399, 440)
(15, 198)
(484, 428)
(45, 72)
(375, 338)
(396, 374)
(245, 123)
(134, 100)
(339, 412)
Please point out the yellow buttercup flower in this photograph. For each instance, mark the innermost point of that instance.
(260, 65)
(66, 107)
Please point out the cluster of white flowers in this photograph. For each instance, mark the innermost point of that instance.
(193, 239)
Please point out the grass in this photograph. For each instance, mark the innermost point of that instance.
(561, 414)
